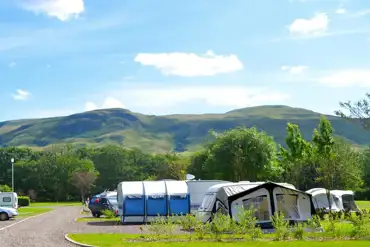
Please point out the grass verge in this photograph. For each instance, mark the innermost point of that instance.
(55, 204)
(363, 204)
(92, 219)
(31, 211)
(118, 240)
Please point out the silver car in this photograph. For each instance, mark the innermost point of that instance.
(7, 213)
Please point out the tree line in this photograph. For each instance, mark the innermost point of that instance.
(238, 154)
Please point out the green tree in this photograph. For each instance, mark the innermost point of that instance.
(358, 111)
(241, 154)
(171, 166)
(296, 161)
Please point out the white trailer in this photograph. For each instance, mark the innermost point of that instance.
(8, 199)
(197, 191)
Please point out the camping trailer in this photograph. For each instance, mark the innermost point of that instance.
(265, 197)
(143, 201)
(320, 199)
(8, 199)
(339, 199)
(346, 199)
(198, 189)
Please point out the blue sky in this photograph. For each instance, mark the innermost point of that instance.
(59, 57)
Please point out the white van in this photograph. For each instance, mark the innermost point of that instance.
(8, 199)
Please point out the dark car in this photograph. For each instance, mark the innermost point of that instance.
(104, 201)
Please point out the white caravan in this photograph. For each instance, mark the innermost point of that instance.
(339, 199)
(8, 199)
(197, 191)
(265, 197)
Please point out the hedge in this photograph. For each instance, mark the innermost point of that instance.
(24, 201)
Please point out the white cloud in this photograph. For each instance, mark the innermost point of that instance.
(361, 13)
(190, 64)
(61, 9)
(232, 96)
(341, 11)
(12, 64)
(109, 102)
(21, 95)
(294, 69)
(315, 26)
(347, 78)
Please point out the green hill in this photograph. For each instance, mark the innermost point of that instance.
(165, 133)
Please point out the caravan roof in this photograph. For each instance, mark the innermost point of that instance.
(342, 192)
(242, 186)
(316, 191)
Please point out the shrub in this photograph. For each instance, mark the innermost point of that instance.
(315, 222)
(188, 222)
(361, 226)
(298, 231)
(248, 223)
(281, 226)
(5, 188)
(109, 213)
(24, 201)
(201, 230)
(220, 224)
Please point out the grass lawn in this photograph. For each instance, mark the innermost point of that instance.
(363, 204)
(118, 240)
(32, 211)
(92, 219)
(55, 204)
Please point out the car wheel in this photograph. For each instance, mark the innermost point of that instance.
(4, 216)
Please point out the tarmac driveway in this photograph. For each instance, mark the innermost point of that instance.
(48, 230)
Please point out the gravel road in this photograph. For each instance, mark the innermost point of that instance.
(48, 230)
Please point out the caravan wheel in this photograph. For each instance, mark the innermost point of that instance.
(4, 216)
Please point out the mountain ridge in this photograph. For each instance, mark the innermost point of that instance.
(163, 133)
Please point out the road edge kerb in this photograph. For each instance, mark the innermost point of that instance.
(77, 243)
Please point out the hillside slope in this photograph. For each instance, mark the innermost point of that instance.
(164, 133)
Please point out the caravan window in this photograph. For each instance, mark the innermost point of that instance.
(207, 201)
(7, 199)
(288, 205)
(349, 203)
(261, 206)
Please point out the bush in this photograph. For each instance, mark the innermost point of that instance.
(5, 188)
(281, 226)
(109, 214)
(361, 226)
(298, 231)
(24, 201)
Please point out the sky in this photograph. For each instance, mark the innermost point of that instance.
(60, 57)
